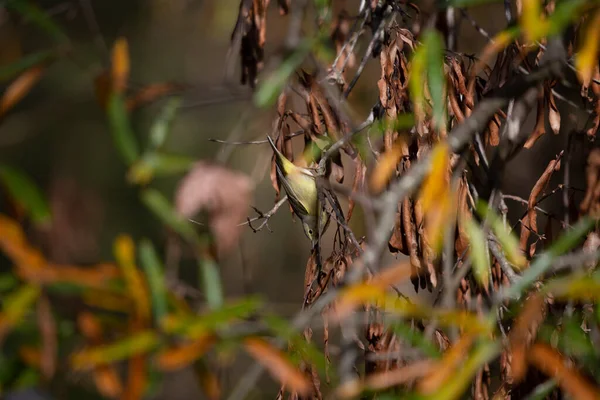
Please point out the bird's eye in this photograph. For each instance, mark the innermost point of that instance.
(310, 232)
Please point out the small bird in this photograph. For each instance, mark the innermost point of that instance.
(301, 187)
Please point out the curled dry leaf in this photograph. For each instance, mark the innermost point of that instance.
(550, 362)
(386, 167)
(591, 202)
(553, 114)
(278, 365)
(223, 193)
(19, 88)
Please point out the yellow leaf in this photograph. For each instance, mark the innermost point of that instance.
(386, 167)
(533, 22)
(436, 197)
(120, 65)
(125, 254)
(278, 365)
(587, 57)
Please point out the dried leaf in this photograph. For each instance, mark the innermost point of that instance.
(553, 114)
(570, 380)
(181, 356)
(120, 66)
(108, 382)
(224, 193)
(19, 88)
(278, 365)
(47, 327)
(137, 378)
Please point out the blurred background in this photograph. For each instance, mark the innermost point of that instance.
(59, 134)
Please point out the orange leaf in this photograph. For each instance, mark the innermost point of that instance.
(386, 167)
(445, 368)
(570, 380)
(523, 330)
(208, 381)
(125, 254)
(90, 326)
(107, 381)
(278, 365)
(392, 275)
(31, 356)
(182, 356)
(19, 88)
(120, 65)
(136, 378)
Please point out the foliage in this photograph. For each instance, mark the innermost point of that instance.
(515, 310)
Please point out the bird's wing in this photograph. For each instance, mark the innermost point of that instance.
(293, 196)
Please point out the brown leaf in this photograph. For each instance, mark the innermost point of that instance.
(224, 193)
(120, 65)
(181, 356)
(550, 362)
(19, 88)
(553, 114)
(136, 378)
(386, 167)
(208, 381)
(539, 129)
(47, 326)
(393, 275)
(278, 365)
(524, 332)
(151, 93)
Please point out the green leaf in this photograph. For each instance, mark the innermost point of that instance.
(484, 352)
(508, 241)
(542, 391)
(158, 164)
(11, 70)
(32, 13)
(211, 282)
(138, 343)
(24, 191)
(479, 252)
(160, 128)
(8, 281)
(271, 87)
(564, 13)
(417, 76)
(415, 338)
(123, 135)
(17, 304)
(435, 75)
(154, 274)
(159, 205)
(544, 261)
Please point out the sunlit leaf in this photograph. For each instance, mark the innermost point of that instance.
(25, 192)
(16, 305)
(386, 166)
(161, 126)
(19, 88)
(138, 343)
(534, 24)
(564, 13)
(580, 286)
(587, 57)
(156, 280)
(124, 250)
(120, 66)
(183, 355)
(120, 125)
(436, 196)
(479, 252)
(155, 163)
(160, 206)
(277, 364)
